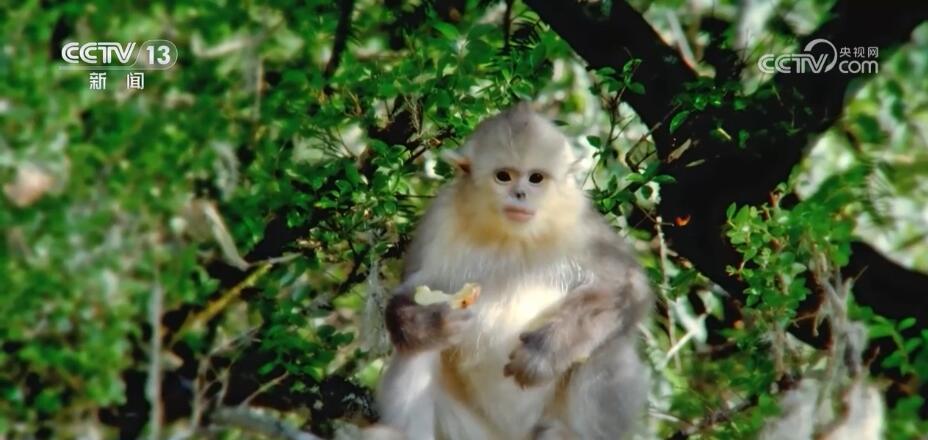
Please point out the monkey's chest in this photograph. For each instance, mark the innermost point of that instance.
(514, 298)
(483, 353)
(505, 311)
(515, 291)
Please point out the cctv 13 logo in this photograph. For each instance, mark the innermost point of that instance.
(107, 55)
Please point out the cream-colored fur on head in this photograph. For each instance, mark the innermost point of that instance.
(517, 139)
(518, 136)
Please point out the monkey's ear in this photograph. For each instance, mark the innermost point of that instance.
(457, 159)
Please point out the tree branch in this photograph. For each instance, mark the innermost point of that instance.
(263, 424)
(342, 32)
(614, 40)
(781, 119)
(888, 288)
(153, 386)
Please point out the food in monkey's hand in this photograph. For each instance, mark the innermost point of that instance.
(462, 299)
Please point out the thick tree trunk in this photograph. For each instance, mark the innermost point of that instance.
(781, 119)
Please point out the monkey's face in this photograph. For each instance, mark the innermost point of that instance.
(519, 191)
(524, 187)
(519, 171)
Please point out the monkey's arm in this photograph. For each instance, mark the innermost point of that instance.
(415, 327)
(614, 301)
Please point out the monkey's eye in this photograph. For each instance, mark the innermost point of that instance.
(536, 178)
(503, 176)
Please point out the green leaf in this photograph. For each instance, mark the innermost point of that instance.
(636, 87)
(605, 71)
(266, 368)
(629, 66)
(743, 136)
(906, 323)
(700, 102)
(664, 178)
(47, 401)
(868, 128)
(744, 215)
(678, 119)
(449, 31)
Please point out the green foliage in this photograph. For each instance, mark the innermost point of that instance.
(253, 147)
(248, 119)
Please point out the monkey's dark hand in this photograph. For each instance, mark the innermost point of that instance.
(415, 327)
(537, 359)
(581, 323)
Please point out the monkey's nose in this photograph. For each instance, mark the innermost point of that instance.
(519, 195)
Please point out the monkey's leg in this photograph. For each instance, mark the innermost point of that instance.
(414, 399)
(406, 396)
(606, 395)
(456, 413)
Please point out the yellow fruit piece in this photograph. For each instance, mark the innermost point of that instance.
(462, 299)
(425, 296)
(466, 297)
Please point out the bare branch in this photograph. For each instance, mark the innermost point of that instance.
(260, 423)
(154, 365)
(342, 32)
(613, 41)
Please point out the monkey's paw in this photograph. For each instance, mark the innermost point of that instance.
(534, 361)
(415, 327)
(453, 324)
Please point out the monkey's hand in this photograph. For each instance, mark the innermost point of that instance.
(537, 359)
(415, 327)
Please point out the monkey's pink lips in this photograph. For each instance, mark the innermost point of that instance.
(515, 213)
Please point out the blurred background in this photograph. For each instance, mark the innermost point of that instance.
(208, 256)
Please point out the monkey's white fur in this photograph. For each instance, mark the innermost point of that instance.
(520, 285)
(515, 289)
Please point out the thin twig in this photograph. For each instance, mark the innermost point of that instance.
(665, 293)
(685, 51)
(264, 387)
(154, 366)
(217, 306)
(507, 25)
(672, 353)
(265, 424)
